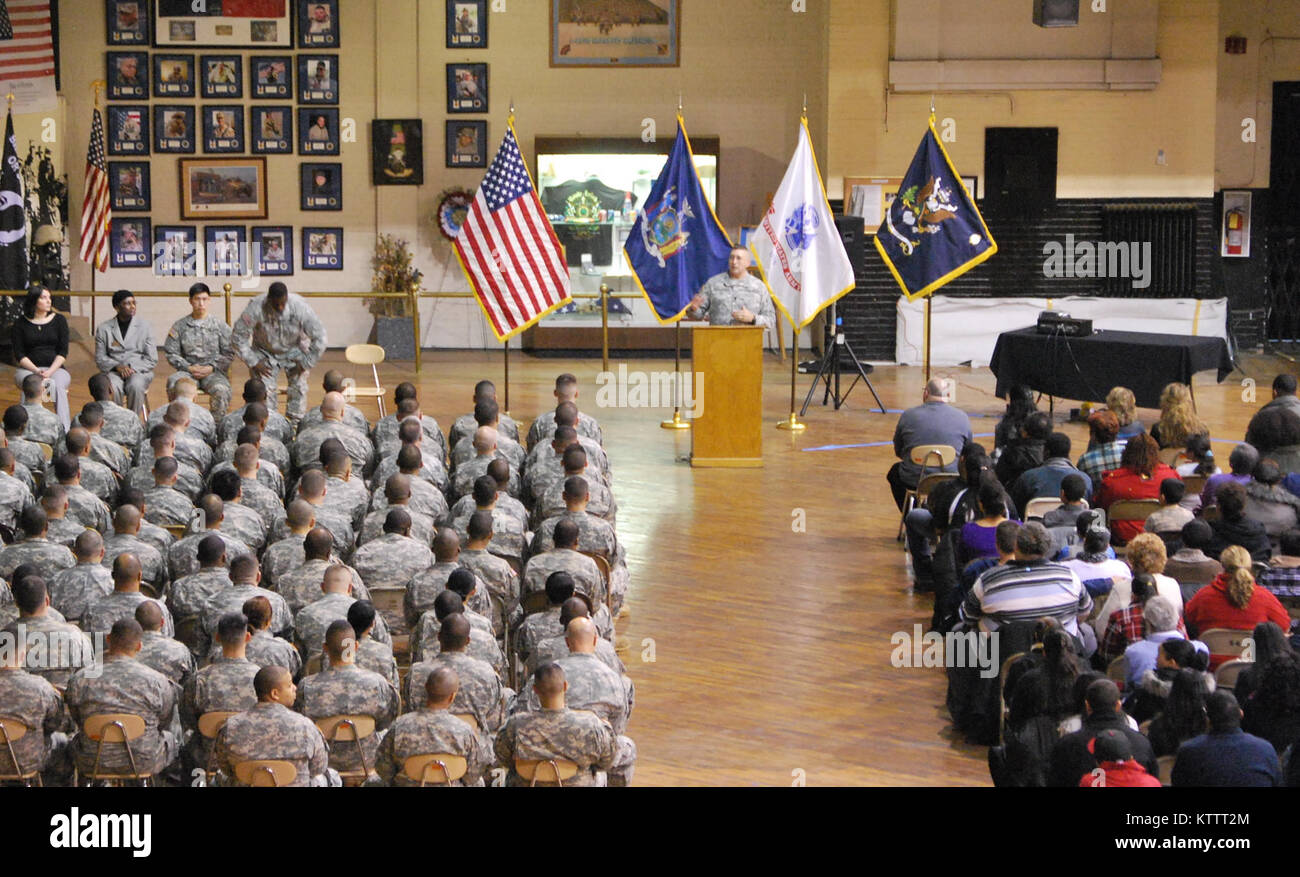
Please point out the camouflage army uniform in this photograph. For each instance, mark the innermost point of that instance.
(385, 432)
(266, 650)
(194, 342)
(465, 506)
(166, 506)
(430, 448)
(312, 620)
(586, 575)
(202, 425)
(153, 567)
(428, 584)
(482, 641)
(374, 656)
(34, 702)
(502, 586)
(557, 647)
(595, 536)
(332, 519)
(245, 525)
(64, 531)
(465, 425)
(48, 556)
(261, 499)
(481, 693)
(572, 735)
(27, 452)
(391, 561)
(191, 593)
(535, 630)
(542, 473)
(600, 501)
(306, 448)
(511, 451)
(422, 527)
(431, 471)
(723, 294)
(350, 690)
(166, 655)
(43, 425)
(281, 556)
(300, 586)
(471, 470)
(55, 649)
(543, 429)
(23, 474)
(431, 732)
(509, 540)
(188, 479)
(73, 589)
(277, 426)
(597, 459)
(225, 685)
(157, 537)
(111, 454)
(126, 686)
(425, 499)
(268, 475)
(269, 450)
(233, 598)
(351, 497)
(274, 732)
(183, 558)
(111, 608)
(88, 508)
(14, 497)
(190, 448)
(291, 342)
(121, 425)
(352, 416)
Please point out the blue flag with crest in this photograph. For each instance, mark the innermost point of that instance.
(932, 231)
(676, 243)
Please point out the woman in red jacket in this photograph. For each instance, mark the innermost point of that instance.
(1232, 601)
(1138, 477)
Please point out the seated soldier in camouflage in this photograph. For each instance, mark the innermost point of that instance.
(426, 497)
(55, 649)
(198, 347)
(190, 594)
(554, 731)
(499, 471)
(151, 533)
(224, 685)
(256, 494)
(43, 425)
(500, 578)
(486, 413)
(183, 556)
(466, 424)
(168, 507)
(566, 392)
(397, 494)
(63, 529)
(126, 539)
(186, 391)
(263, 649)
(124, 599)
(482, 694)
(39, 706)
(121, 425)
(244, 585)
(509, 536)
(162, 443)
(164, 654)
(557, 647)
(432, 729)
(371, 654)
(334, 382)
(34, 547)
(102, 450)
(345, 489)
(240, 521)
(276, 424)
(482, 642)
(95, 476)
(72, 590)
(24, 450)
(15, 495)
(82, 504)
(312, 620)
(273, 731)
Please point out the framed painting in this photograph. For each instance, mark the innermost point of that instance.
(318, 131)
(223, 128)
(173, 128)
(318, 79)
(467, 88)
(397, 152)
(466, 143)
(126, 128)
(321, 186)
(615, 33)
(128, 75)
(223, 188)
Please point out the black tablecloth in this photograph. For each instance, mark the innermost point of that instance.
(1086, 368)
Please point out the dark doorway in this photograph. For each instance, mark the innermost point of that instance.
(1282, 221)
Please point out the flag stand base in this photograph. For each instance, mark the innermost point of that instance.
(794, 424)
(675, 423)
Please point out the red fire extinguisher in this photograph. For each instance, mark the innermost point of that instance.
(1235, 226)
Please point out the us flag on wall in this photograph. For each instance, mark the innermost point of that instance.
(27, 55)
(508, 249)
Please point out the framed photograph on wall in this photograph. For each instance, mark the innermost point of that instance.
(270, 130)
(128, 75)
(318, 131)
(224, 246)
(466, 143)
(467, 24)
(222, 75)
(322, 248)
(228, 26)
(582, 36)
(173, 75)
(397, 152)
(272, 76)
(126, 129)
(321, 186)
(127, 22)
(128, 242)
(223, 128)
(467, 88)
(223, 188)
(1234, 240)
(318, 79)
(318, 24)
(176, 251)
(129, 185)
(272, 250)
(173, 128)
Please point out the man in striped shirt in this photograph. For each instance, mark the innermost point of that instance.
(1028, 587)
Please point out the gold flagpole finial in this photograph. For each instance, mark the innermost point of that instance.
(10, 98)
(804, 115)
(679, 103)
(98, 85)
(931, 109)
(510, 120)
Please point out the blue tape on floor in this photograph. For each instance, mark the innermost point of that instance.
(888, 444)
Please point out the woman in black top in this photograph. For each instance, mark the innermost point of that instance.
(40, 344)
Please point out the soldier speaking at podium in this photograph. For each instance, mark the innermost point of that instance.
(735, 297)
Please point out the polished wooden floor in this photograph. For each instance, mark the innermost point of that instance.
(770, 647)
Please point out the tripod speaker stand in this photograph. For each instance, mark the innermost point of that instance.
(837, 347)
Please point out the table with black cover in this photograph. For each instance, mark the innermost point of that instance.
(1086, 368)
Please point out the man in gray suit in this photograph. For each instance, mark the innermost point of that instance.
(125, 351)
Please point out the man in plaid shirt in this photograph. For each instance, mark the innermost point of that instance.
(1126, 625)
(1104, 451)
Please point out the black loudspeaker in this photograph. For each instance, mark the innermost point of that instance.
(1056, 13)
(854, 235)
(1019, 168)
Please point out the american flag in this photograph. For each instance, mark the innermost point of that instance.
(508, 249)
(26, 45)
(96, 209)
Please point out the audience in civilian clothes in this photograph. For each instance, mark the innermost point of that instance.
(1234, 528)
(1275, 433)
(1145, 554)
(933, 422)
(1241, 463)
(978, 537)
(1075, 488)
(1273, 710)
(1073, 755)
(1104, 452)
(1268, 502)
(1148, 697)
(1160, 622)
(1138, 477)
(1047, 479)
(1233, 602)
(1126, 626)
(1094, 568)
(1178, 419)
(1171, 517)
(1182, 715)
(1020, 404)
(1282, 578)
(1226, 756)
(1121, 401)
(1190, 566)
(1268, 641)
(1027, 451)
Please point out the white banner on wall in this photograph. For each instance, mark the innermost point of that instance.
(967, 329)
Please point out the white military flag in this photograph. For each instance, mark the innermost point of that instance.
(797, 247)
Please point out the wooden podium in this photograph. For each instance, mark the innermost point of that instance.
(728, 360)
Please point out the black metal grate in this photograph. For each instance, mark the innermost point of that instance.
(1162, 237)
